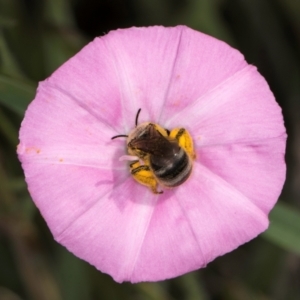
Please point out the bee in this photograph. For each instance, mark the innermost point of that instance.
(164, 157)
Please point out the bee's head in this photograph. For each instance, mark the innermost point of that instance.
(136, 138)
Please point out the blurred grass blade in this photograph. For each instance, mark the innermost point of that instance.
(8, 64)
(59, 12)
(58, 49)
(193, 287)
(15, 94)
(284, 227)
(292, 9)
(8, 129)
(72, 274)
(152, 291)
(205, 16)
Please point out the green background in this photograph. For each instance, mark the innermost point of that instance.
(36, 37)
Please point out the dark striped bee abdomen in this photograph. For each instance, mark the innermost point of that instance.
(172, 171)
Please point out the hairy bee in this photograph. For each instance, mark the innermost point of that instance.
(165, 157)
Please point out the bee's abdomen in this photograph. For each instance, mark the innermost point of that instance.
(175, 172)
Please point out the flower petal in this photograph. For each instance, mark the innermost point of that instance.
(206, 218)
(110, 234)
(68, 157)
(65, 192)
(257, 170)
(105, 77)
(202, 63)
(141, 240)
(240, 109)
(239, 134)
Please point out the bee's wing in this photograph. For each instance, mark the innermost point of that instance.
(151, 145)
(154, 143)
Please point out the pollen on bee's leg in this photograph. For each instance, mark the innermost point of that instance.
(128, 157)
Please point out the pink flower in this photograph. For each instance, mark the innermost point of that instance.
(179, 78)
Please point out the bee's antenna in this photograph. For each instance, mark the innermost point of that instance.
(137, 116)
(136, 123)
(120, 135)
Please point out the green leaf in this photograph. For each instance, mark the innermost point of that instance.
(284, 229)
(15, 94)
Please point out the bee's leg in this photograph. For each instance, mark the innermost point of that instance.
(184, 140)
(143, 175)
